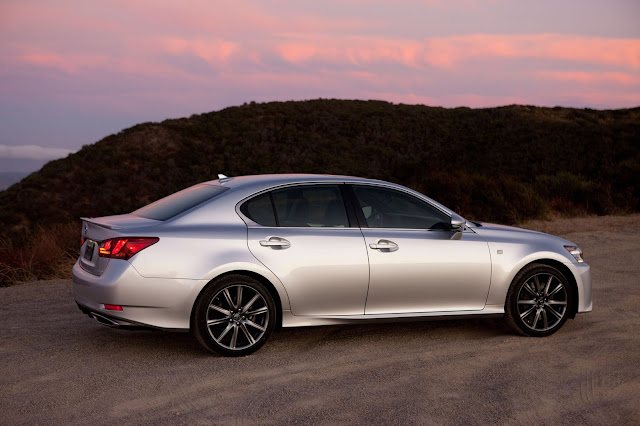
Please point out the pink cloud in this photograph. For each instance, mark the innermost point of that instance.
(296, 52)
(610, 77)
(213, 51)
(449, 52)
(72, 64)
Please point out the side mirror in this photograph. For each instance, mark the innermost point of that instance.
(457, 225)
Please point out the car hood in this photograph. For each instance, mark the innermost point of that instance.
(493, 231)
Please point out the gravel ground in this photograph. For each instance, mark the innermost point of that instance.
(59, 367)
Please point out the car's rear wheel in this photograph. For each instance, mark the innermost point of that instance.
(538, 301)
(234, 316)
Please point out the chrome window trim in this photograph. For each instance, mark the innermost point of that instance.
(252, 224)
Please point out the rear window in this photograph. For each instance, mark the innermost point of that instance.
(174, 204)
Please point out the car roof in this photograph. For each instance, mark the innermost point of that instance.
(243, 187)
(286, 178)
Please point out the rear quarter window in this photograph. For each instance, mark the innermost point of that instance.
(179, 202)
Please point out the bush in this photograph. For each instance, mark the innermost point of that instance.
(46, 253)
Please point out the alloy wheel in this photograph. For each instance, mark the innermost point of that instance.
(542, 302)
(237, 317)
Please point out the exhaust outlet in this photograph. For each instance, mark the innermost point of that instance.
(104, 320)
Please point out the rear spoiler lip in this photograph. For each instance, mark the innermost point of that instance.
(103, 225)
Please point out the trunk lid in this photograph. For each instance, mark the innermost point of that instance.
(95, 230)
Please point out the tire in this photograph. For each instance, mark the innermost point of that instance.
(538, 301)
(231, 328)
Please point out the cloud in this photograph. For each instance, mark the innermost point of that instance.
(450, 52)
(592, 78)
(68, 63)
(32, 152)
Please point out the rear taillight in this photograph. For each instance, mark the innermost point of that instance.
(125, 248)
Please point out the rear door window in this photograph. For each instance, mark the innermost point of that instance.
(299, 206)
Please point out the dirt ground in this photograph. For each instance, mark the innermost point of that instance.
(59, 367)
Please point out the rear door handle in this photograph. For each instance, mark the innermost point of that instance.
(275, 242)
(384, 245)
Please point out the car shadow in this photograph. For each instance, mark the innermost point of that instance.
(305, 339)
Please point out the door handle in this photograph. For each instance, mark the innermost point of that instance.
(384, 245)
(275, 242)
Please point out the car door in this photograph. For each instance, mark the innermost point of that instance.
(304, 236)
(415, 264)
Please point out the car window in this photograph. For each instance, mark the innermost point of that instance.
(317, 206)
(260, 210)
(388, 208)
(168, 207)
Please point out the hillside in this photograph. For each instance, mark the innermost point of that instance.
(9, 178)
(506, 164)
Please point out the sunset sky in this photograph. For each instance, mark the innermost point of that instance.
(75, 71)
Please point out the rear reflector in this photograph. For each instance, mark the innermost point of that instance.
(125, 247)
(113, 307)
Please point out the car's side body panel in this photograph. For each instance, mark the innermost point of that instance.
(514, 248)
(325, 270)
(438, 273)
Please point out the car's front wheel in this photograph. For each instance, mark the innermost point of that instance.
(234, 316)
(538, 301)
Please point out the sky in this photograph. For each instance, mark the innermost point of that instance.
(75, 71)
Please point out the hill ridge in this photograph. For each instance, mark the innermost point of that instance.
(506, 163)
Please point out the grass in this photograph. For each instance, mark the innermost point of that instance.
(45, 253)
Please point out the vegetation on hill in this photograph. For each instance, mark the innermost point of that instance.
(502, 164)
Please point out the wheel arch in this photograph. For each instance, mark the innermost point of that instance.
(263, 280)
(573, 301)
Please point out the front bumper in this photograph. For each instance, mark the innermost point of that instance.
(582, 273)
(156, 302)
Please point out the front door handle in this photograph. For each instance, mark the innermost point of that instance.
(384, 245)
(276, 243)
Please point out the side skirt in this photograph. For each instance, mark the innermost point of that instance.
(290, 320)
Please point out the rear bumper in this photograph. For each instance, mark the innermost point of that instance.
(156, 302)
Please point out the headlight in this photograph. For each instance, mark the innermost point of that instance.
(576, 253)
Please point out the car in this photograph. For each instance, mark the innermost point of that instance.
(232, 259)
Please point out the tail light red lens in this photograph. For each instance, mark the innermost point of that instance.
(126, 247)
(113, 307)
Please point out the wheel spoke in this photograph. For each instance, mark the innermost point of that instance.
(220, 309)
(546, 288)
(224, 333)
(228, 297)
(217, 321)
(544, 319)
(262, 310)
(239, 298)
(537, 284)
(527, 312)
(535, 321)
(234, 337)
(526, 302)
(251, 302)
(529, 288)
(557, 289)
(553, 311)
(556, 302)
(246, 333)
(254, 325)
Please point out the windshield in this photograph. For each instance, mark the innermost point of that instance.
(174, 204)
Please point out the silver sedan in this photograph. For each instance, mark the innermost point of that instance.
(234, 258)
